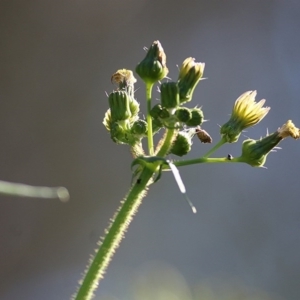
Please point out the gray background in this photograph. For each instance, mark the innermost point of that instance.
(55, 66)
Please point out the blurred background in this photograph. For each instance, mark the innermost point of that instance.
(56, 61)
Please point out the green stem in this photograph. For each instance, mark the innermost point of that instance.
(149, 87)
(203, 159)
(213, 149)
(166, 143)
(114, 235)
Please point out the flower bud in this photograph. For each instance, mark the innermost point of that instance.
(118, 133)
(169, 95)
(139, 127)
(183, 114)
(245, 113)
(189, 75)
(153, 67)
(158, 111)
(197, 117)
(255, 152)
(122, 106)
(119, 106)
(183, 143)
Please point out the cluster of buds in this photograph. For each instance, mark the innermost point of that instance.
(170, 113)
(126, 127)
(121, 119)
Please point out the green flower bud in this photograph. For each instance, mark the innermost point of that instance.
(197, 117)
(255, 152)
(164, 113)
(122, 106)
(121, 133)
(158, 111)
(183, 114)
(118, 133)
(245, 113)
(169, 95)
(139, 127)
(183, 143)
(189, 75)
(119, 105)
(153, 67)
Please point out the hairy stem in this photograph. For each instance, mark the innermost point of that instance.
(165, 145)
(114, 235)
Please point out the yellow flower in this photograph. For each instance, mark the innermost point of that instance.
(245, 113)
(190, 74)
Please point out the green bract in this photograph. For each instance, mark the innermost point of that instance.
(169, 95)
(182, 144)
(119, 106)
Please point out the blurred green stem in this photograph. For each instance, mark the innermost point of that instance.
(25, 190)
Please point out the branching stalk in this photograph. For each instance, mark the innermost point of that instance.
(215, 148)
(125, 127)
